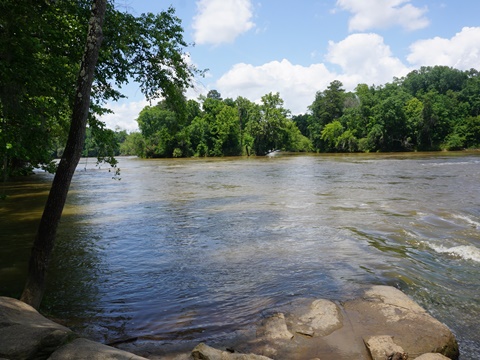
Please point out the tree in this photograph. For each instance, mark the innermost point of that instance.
(413, 116)
(302, 121)
(436, 78)
(470, 94)
(470, 130)
(149, 49)
(38, 42)
(39, 61)
(214, 94)
(268, 129)
(390, 113)
(159, 127)
(200, 136)
(134, 144)
(102, 143)
(327, 107)
(45, 238)
(331, 133)
(226, 133)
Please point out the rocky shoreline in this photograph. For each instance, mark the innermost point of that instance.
(383, 324)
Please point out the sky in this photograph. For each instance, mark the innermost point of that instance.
(296, 48)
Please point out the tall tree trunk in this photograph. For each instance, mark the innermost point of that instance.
(45, 238)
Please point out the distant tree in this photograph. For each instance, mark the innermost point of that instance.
(226, 133)
(214, 94)
(102, 143)
(330, 135)
(134, 144)
(436, 78)
(159, 126)
(327, 107)
(390, 114)
(470, 94)
(302, 121)
(267, 128)
(248, 115)
(413, 110)
(470, 130)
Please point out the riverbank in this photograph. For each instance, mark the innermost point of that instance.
(382, 324)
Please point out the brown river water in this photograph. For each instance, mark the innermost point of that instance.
(195, 249)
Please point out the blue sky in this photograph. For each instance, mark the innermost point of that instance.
(296, 48)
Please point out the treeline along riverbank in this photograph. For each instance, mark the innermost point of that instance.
(433, 108)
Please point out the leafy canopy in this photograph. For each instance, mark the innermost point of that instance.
(40, 52)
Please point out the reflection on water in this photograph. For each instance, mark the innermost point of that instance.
(195, 248)
(19, 216)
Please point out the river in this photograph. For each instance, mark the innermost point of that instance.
(194, 249)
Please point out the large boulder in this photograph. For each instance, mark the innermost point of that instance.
(321, 319)
(83, 349)
(384, 323)
(25, 334)
(386, 311)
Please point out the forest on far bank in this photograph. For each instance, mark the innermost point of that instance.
(433, 108)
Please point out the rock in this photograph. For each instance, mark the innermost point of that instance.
(82, 349)
(382, 324)
(205, 352)
(431, 356)
(386, 310)
(274, 328)
(321, 319)
(25, 334)
(383, 347)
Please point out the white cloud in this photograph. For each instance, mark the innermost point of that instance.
(296, 84)
(221, 21)
(125, 115)
(462, 51)
(365, 58)
(379, 14)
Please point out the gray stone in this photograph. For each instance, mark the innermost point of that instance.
(386, 310)
(83, 349)
(383, 347)
(25, 334)
(274, 328)
(205, 352)
(322, 318)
